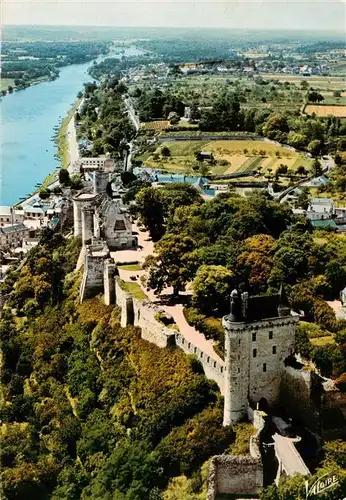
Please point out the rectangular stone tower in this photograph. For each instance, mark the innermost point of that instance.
(259, 336)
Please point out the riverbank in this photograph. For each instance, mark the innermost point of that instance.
(62, 143)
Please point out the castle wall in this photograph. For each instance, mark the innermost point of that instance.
(77, 218)
(255, 354)
(100, 181)
(212, 369)
(87, 225)
(142, 314)
(234, 475)
(295, 396)
(109, 282)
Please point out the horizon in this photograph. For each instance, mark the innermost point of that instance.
(110, 26)
(288, 15)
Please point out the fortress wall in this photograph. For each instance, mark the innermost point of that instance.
(92, 282)
(295, 396)
(152, 329)
(143, 314)
(124, 300)
(109, 283)
(212, 369)
(234, 475)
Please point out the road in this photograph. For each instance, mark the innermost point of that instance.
(132, 113)
(327, 164)
(73, 152)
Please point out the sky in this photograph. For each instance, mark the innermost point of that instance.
(260, 14)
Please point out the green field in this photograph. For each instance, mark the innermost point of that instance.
(135, 290)
(5, 82)
(230, 157)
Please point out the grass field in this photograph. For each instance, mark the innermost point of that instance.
(135, 290)
(334, 101)
(130, 267)
(320, 82)
(324, 111)
(238, 156)
(5, 82)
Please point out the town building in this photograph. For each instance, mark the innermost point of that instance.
(12, 236)
(10, 215)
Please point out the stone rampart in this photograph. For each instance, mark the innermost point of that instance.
(152, 329)
(212, 369)
(144, 315)
(295, 396)
(234, 475)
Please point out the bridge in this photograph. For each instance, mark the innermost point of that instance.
(290, 461)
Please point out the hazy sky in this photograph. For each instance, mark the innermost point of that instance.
(279, 14)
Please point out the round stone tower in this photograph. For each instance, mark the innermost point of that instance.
(80, 201)
(100, 181)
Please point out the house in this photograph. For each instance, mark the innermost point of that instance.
(12, 236)
(205, 156)
(9, 215)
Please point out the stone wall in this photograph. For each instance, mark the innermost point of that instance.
(144, 315)
(152, 329)
(295, 396)
(234, 475)
(212, 369)
(109, 282)
(93, 275)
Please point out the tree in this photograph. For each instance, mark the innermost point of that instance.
(10, 89)
(211, 289)
(301, 170)
(317, 168)
(303, 199)
(315, 97)
(297, 140)
(150, 208)
(44, 193)
(64, 176)
(172, 265)
(314, 147)
(282, 169)
(165, 152)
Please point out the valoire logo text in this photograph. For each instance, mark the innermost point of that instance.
(322, 484)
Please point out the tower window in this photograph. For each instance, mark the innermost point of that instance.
(264, 367)
(239, 341)
(238, 370)
(254, 337)
(254, 353)
(274, 349)
(270, 335)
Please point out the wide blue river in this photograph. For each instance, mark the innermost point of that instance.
(28, 118)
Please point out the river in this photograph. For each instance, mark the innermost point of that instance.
(28, 118)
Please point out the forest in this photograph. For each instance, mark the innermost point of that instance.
(25, 62)
(90, 410)
(109, 129)
(253, 243)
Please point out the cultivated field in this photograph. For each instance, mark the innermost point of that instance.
(325, 110)
(159, 125)
(230, 156)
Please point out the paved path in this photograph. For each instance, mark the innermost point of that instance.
(292, 462)
(73, 152)
(176, 311)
